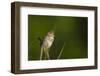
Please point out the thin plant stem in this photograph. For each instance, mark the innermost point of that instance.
(47, 54)
(61, 51)
(41, 53)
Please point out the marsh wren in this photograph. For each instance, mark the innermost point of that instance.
(46, 44)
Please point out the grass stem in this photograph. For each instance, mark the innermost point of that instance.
(61, 51)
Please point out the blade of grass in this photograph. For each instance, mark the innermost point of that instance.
(61, 51)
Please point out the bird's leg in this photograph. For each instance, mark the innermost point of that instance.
(45, 56)
(47, 53)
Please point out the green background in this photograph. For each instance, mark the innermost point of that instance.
(71, 30)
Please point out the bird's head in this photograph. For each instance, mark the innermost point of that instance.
(50, 34)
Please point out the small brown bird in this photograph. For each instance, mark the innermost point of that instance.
(46, 44)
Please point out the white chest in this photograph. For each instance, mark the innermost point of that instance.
(48, 41)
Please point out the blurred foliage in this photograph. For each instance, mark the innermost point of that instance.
(71, 30)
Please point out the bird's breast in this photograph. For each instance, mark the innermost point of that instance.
(50, 41)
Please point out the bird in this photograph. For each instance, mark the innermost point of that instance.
(46, 43)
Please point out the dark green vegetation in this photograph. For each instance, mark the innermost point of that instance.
(71, 30)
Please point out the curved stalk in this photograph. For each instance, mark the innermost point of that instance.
(61, 51)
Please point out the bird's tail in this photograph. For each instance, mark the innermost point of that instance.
(41, 41)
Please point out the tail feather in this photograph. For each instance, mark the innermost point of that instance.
(41, 41)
